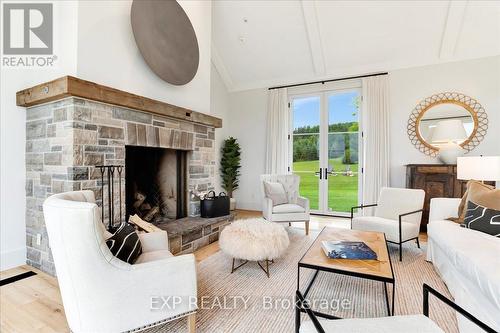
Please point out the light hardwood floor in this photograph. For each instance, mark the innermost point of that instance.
(34, 304)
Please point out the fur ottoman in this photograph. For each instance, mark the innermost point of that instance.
(254, 240)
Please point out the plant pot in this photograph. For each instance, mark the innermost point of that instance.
(232, 204)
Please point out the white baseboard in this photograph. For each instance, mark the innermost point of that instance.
(12, 258)
(248, 205)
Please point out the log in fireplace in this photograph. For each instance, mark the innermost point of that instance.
(155, 183)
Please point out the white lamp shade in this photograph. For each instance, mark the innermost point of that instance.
(451, 130)
(479, 168)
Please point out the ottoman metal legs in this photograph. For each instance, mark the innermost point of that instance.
(266, 270)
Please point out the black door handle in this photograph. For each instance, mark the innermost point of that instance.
(320, 173)
(328, 173)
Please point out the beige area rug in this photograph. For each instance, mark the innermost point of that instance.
(255, 303)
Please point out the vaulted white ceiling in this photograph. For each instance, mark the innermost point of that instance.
(265, 43)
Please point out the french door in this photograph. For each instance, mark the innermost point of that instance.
(325, 146)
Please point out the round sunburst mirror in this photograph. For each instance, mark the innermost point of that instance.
(447, 117)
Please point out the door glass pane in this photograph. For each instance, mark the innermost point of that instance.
(306, 121)
(343, 115)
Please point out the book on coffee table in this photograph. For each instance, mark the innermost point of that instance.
(348, 250)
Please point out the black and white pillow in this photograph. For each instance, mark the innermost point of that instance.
(125, 243)
(483, 219)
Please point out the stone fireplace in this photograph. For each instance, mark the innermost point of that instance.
(72, 126)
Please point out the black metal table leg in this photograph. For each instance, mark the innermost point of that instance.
(298, 305)
(298, 278)
(311, 283)
(387, 299)
(390, 310)
(393, 296)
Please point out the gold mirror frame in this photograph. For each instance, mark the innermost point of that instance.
(470, 104)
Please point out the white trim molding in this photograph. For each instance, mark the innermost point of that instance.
(221, 68)
(314, 36)
(452, 28)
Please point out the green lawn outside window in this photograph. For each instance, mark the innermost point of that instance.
(342, 189)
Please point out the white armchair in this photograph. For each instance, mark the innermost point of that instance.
(407, 323)
(397, 214)
(101, 293)
(297, 208)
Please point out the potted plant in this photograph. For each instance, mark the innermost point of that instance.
(229, 167)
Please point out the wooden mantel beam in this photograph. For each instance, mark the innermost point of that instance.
(67, 86)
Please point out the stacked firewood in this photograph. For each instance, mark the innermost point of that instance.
(143, 208)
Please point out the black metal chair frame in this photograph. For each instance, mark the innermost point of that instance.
(401, 241)
(302, 306)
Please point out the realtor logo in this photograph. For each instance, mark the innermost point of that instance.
(27, 28)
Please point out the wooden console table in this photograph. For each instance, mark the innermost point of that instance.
(438, 181)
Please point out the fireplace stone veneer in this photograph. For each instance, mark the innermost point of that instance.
(66, 139)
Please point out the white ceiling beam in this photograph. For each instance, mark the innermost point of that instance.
(314, 36)
(221, 68)
(452, 28)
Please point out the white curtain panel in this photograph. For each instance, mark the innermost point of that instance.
(277, 132)
(376, 136)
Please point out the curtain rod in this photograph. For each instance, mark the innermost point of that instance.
(331, 80)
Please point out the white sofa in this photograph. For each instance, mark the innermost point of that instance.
(297, 208)
(469, 263)
(101, 293)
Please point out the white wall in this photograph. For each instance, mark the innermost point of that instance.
(244, 117)
(13, 133)
(108, 54)
(479, 78)
(247, 121)
(219, 107)
(94, 41)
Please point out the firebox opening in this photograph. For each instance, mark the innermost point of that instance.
(155, 182)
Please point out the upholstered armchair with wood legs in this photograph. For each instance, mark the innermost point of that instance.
(101, 293)
(297, 207)
(397, 214)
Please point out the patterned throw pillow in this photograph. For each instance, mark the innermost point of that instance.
(482, 194)
(125, 243)
(483, 219)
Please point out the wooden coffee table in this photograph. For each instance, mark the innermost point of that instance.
(378, 270)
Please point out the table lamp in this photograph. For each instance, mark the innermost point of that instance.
(482, 168)
(448, 135)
